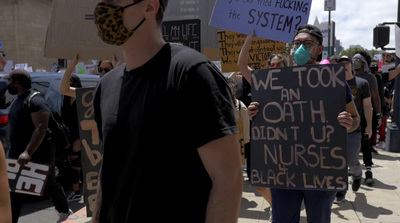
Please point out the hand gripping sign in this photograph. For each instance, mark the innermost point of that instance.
(29, 179)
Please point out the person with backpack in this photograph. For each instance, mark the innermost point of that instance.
(31, 141)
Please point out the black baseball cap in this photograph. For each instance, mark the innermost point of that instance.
(344, 57)
(312, 30)
(18, 74)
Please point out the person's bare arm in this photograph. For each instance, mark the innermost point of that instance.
(392, 109)
(221, 159)
(115, 62)
(394, 73)
(244, 57)
(40, 121)
(5, 205)
(367, 108)
(3, 63)
(350, 119)
(65, 88)
(376, 100)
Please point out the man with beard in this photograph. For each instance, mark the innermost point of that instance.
(29, 141)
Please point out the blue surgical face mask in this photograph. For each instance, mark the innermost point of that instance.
(302, 55)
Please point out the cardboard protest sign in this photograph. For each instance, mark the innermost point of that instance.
(91, 154)
(271, 19)
(29, 179)
(230, 44)
(297, 142)
(186, 32)
(72, 30)
(211, 53)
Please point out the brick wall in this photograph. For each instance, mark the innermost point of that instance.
(23, 26)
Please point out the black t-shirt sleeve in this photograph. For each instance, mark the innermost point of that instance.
(210, 104)
(38, 104)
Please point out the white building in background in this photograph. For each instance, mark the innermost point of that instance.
(334, 43)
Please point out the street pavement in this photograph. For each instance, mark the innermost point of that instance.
(380, 203)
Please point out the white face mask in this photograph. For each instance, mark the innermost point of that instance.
(357, 64)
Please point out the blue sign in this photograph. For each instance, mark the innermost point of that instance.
(271, 19)
(1, 44)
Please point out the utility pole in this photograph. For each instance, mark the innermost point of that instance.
(330, 5)
(329, 34)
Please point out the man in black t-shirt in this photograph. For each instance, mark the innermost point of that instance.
(167, 125)
(28, 140)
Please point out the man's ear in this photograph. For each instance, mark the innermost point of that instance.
(152, 8)
(320, 49)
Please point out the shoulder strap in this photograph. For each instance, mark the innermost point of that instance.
(28, 102)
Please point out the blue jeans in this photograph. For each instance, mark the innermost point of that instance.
(286, 205)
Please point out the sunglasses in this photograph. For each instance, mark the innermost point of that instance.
(100, 69)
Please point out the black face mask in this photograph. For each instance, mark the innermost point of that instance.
(12, 90)
(373, 69)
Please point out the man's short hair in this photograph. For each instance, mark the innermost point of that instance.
(22, 76)
(312, 30)
(161, 10)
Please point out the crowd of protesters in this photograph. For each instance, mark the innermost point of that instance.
(207, 138)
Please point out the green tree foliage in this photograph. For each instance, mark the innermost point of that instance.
(350, 52)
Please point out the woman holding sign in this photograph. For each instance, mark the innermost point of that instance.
(274, 61)
(70, 116)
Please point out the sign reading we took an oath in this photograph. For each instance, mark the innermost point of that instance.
(297, 142)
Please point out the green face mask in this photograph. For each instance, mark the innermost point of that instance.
(110, 24)
(302, 55)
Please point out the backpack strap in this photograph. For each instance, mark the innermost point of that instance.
(29, 99)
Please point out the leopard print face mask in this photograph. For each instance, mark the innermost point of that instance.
(110, 24)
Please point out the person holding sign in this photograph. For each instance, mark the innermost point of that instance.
(5, 205)
(286, 203)
(242, 120)
(29, 141)
(68, 85)
(151, 150)
(274, 60)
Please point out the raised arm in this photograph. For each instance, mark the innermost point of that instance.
(394, 73)
(244, 57)
(65, 88)
(115, 62)
(3, 63)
